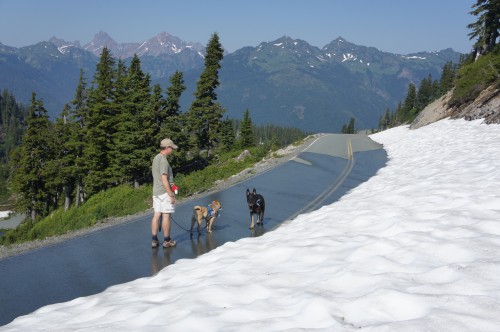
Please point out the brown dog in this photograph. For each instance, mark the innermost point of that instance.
(209, 213)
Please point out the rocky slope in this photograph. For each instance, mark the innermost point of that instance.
(486, 106)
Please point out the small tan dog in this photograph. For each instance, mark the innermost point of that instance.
(209, 213)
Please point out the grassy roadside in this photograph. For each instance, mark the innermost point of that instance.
(125, 200)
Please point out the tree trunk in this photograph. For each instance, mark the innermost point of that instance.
(78, 194)
(67, 198)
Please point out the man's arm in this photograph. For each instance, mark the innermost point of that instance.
(166, 184)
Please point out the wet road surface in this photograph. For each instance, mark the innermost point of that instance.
(319, 176)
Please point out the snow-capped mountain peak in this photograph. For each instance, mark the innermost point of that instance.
(163, 43)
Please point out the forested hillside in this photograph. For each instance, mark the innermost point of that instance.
(12, 126)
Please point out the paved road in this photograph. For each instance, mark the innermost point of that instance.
(320, 175)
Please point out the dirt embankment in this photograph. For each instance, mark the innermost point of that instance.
(486, 106)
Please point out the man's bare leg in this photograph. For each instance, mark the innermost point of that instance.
(166, 231)
(154, 229)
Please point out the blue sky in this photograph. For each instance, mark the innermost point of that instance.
(397, 26)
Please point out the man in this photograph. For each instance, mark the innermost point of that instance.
(163, 196)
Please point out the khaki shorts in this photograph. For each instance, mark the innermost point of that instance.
(162, 204)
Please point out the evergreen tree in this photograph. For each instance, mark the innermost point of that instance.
(173, 123)
(205, 114)
(486, 28)
(60, 169)
(141, 98)
(350, 127)
(227, 135)
(385, 120)
(174, 93)
(12, 126)
(246, 138)
(122, 123)
(157, 106)
(277, 136)
(76, 142)
(130, 162)
(30, 161)
(12, 123)
(436, 90)
(398, 117)
(425, 94)
(447, 80)
(408, 108)
(100, 126)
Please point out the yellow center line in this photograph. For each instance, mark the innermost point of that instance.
(341, 178)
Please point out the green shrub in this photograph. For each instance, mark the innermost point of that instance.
(119, 201)
(475, 77)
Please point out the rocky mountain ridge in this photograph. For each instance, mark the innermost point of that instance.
(285, 82)
(163, 43)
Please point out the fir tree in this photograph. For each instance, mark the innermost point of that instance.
(130, 162)
(349, 128)
(408, 108)
(12, 123)
(436, 89)
(76, 142)
(447, 80)
(205, 113)
(100, 126)
(385, 121)
(61, 168)
(486, 28)
(153, 125)
(425, 94)
(174, 93)
(30, 163)
(12, 126)
(246, 138)
(122, 124)
(141, 99)
(173, 122)
(398, 117)
(227, 135)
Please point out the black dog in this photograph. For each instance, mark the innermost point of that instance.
(256, 205)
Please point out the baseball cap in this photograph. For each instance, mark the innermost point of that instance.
(165, 143)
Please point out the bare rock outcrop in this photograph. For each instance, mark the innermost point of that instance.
(433, 112)
(486, 106)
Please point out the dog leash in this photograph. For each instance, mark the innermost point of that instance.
(188, 230)
(175, 222)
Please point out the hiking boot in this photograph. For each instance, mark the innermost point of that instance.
(168, 244)
(154, 244)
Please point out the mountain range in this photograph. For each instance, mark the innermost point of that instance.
(285, 82)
